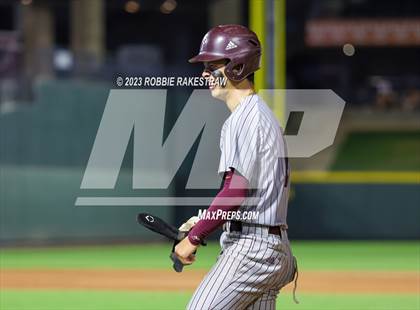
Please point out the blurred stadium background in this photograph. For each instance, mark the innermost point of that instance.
(354, 209)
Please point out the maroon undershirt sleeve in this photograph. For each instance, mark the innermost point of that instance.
(230, 197)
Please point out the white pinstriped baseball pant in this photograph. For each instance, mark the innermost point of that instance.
(250, 271)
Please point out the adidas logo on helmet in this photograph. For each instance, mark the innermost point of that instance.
(230, 46)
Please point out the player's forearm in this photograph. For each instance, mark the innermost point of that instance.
(229, 198)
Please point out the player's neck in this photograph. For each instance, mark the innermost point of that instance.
(237, 94)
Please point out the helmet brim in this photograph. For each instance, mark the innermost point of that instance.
(206, 57)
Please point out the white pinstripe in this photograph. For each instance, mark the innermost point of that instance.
(254, 265)
(252, 142)
(244, 277)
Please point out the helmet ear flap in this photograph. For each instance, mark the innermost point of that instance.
(248, 65)
(235, 71)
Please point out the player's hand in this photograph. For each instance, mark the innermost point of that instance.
(185, 251)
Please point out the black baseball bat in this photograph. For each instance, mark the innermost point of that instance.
(159, 226)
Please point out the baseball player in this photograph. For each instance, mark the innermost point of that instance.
(256, 260)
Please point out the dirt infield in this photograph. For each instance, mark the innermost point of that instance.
(158, 280)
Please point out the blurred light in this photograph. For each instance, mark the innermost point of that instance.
(63, 60)
(348, 49)
(132, 6)
(168, 6)
(26, 2)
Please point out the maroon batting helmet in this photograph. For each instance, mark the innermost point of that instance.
(236, 43)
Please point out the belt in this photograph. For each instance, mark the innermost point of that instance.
(237, 227)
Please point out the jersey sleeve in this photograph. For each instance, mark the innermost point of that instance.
(240, 145)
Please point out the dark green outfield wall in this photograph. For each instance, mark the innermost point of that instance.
(37, 203)
(380, 150)
(44, 148)
(355, 211)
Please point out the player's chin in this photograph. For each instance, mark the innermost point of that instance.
(215, 91)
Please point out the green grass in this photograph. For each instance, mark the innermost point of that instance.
(312, 256)
(94, 300)
(362, 255)
(385, 151)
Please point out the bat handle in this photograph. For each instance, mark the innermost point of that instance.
(178, 265)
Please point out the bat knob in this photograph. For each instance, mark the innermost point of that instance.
(178, 265)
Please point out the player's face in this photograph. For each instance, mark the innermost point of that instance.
(214, 72)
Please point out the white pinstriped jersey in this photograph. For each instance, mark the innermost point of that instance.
(252, 143)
